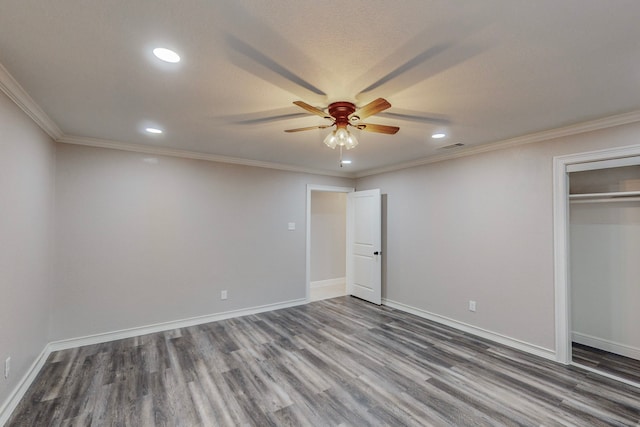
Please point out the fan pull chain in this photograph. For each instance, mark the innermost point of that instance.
(341, 156)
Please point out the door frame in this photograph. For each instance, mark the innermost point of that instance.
(562, 165)
(310, 188)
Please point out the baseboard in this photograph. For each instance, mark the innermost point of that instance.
(480, 332)
(606, 374)
(18, 393)
(12, 402)
(167, 326)
(606, 345)
(324, 289)
(328, 282)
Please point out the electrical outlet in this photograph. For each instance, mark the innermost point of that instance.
(223, 295)
(472, 305)
(7, 367)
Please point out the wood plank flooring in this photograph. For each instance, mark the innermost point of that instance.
(611, 363)
(333, 362)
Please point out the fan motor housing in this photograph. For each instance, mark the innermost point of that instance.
(341, 111)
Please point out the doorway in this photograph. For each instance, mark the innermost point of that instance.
(326, 241)
(597, 242)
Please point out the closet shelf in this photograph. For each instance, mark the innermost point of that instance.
(618, 196)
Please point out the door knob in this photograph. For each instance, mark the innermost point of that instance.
(376, 253)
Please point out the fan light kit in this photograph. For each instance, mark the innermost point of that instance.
(341, 137)
(344, 114)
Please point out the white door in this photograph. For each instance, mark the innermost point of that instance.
(364, 243)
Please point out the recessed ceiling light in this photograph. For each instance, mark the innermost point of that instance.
(166, 55)
(346, 162)
(438, 135)
(153, 130)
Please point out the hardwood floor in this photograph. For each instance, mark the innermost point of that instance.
(611, 363)
(333, 362)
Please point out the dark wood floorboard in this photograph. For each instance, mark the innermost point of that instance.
(610, 363)
(338, 362)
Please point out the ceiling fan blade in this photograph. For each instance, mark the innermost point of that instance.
(308, 128)
(371, 108)
(267, 119)
(312, 109)
(370, 127)
(412, 116)
(260, 58)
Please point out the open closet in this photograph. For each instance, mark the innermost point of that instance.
(604, 240)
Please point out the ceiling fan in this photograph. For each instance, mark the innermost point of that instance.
(344, 114)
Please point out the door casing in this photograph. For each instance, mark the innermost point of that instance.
(562, 165)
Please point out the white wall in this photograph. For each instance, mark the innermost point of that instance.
(26, 206)
(328, 235)
(481, 228)
(144, 239)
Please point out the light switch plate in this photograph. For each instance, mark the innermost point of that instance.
(292, 226)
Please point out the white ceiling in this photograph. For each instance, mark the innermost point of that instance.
(482, 71)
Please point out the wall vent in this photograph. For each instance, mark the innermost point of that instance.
(448, 147)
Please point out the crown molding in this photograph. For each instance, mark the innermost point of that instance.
(159, 151)
(10, 86)
(21, 98)
(592, 125)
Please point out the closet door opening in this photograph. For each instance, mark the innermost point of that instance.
(604, 268)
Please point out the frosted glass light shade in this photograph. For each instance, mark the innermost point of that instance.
(351, 142)
(342, 135)
(331, 140)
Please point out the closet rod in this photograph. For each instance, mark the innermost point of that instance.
(604, 195)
